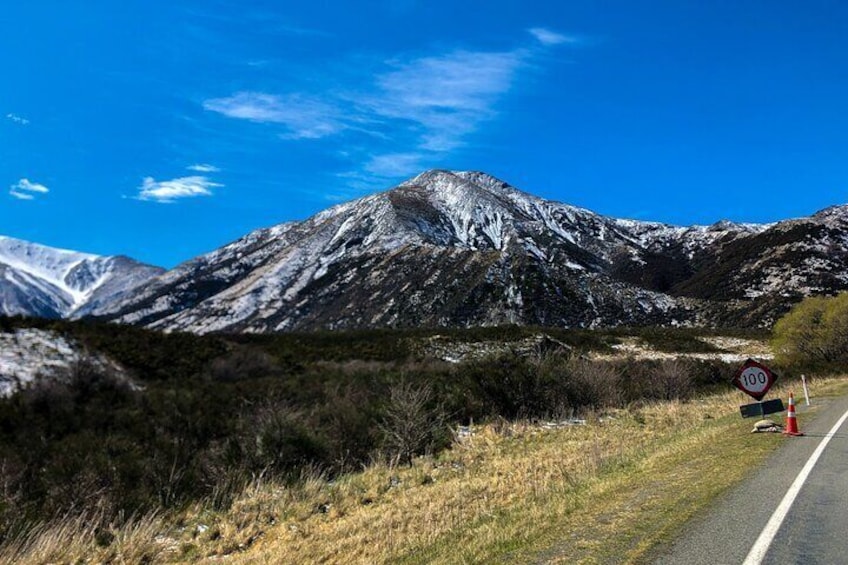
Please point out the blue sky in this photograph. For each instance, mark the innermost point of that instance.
(162, 130)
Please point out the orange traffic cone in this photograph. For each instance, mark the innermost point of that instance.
(791, 421)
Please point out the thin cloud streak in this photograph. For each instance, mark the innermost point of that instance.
(393, 164)
(549, 38)
(17, 119)
(166, 192)
(304, 117)
(204, 168)
(25, 189)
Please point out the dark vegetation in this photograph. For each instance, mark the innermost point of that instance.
(194, 418)
(660, 271)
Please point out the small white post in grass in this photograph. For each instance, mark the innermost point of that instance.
(806, 392)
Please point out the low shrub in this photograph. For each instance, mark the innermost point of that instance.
(196, 418)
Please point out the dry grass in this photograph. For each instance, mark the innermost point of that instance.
(510, 493)
(83, 540)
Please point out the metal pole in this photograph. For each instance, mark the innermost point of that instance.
(806, 392)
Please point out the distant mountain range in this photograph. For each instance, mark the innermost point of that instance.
(450, 249)
(36, 280)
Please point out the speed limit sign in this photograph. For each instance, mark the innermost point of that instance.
(754, 379)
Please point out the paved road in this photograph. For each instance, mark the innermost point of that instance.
(815, 530)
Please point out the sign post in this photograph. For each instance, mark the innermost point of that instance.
(755, 380)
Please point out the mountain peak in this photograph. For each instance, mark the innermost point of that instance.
(440, 179)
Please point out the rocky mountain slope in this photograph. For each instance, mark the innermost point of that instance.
(449, 249)
(36, 280)
(754, 279)
(30, 355)
(464, 248)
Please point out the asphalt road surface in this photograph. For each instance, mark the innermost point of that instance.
(814, 530)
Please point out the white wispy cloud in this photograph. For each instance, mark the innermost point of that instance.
(548, 37)
(392, 165)
(168, 191)
(303, 116)
(25, 189)
(17, 119)
(447, 96)
(440, 99)
(414, 110)
(203, 168)
(437, 102)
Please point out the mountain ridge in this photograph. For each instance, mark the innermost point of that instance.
(463, 248)
(452, 248)
(59, 283)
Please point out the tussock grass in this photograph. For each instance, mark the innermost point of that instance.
(511, 492)
(85, 539)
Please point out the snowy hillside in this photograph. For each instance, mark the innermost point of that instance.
(442, 249)
(27, 355)
(42, 281)
(451, 249)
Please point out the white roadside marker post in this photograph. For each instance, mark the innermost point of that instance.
(806, 392)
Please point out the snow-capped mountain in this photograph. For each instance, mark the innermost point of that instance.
(36, 280)
(753, 280)
(449, 249)
(464, 248)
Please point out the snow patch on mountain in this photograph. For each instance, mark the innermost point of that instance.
(30, 355)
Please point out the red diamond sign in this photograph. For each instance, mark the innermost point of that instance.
(754, 379)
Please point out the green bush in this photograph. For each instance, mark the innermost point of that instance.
(814, 334)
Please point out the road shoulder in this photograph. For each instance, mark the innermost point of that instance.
(726, 531)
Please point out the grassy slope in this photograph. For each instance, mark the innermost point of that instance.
(510, 493)
(603, 493)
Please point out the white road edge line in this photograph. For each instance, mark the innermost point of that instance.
(761, 546)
